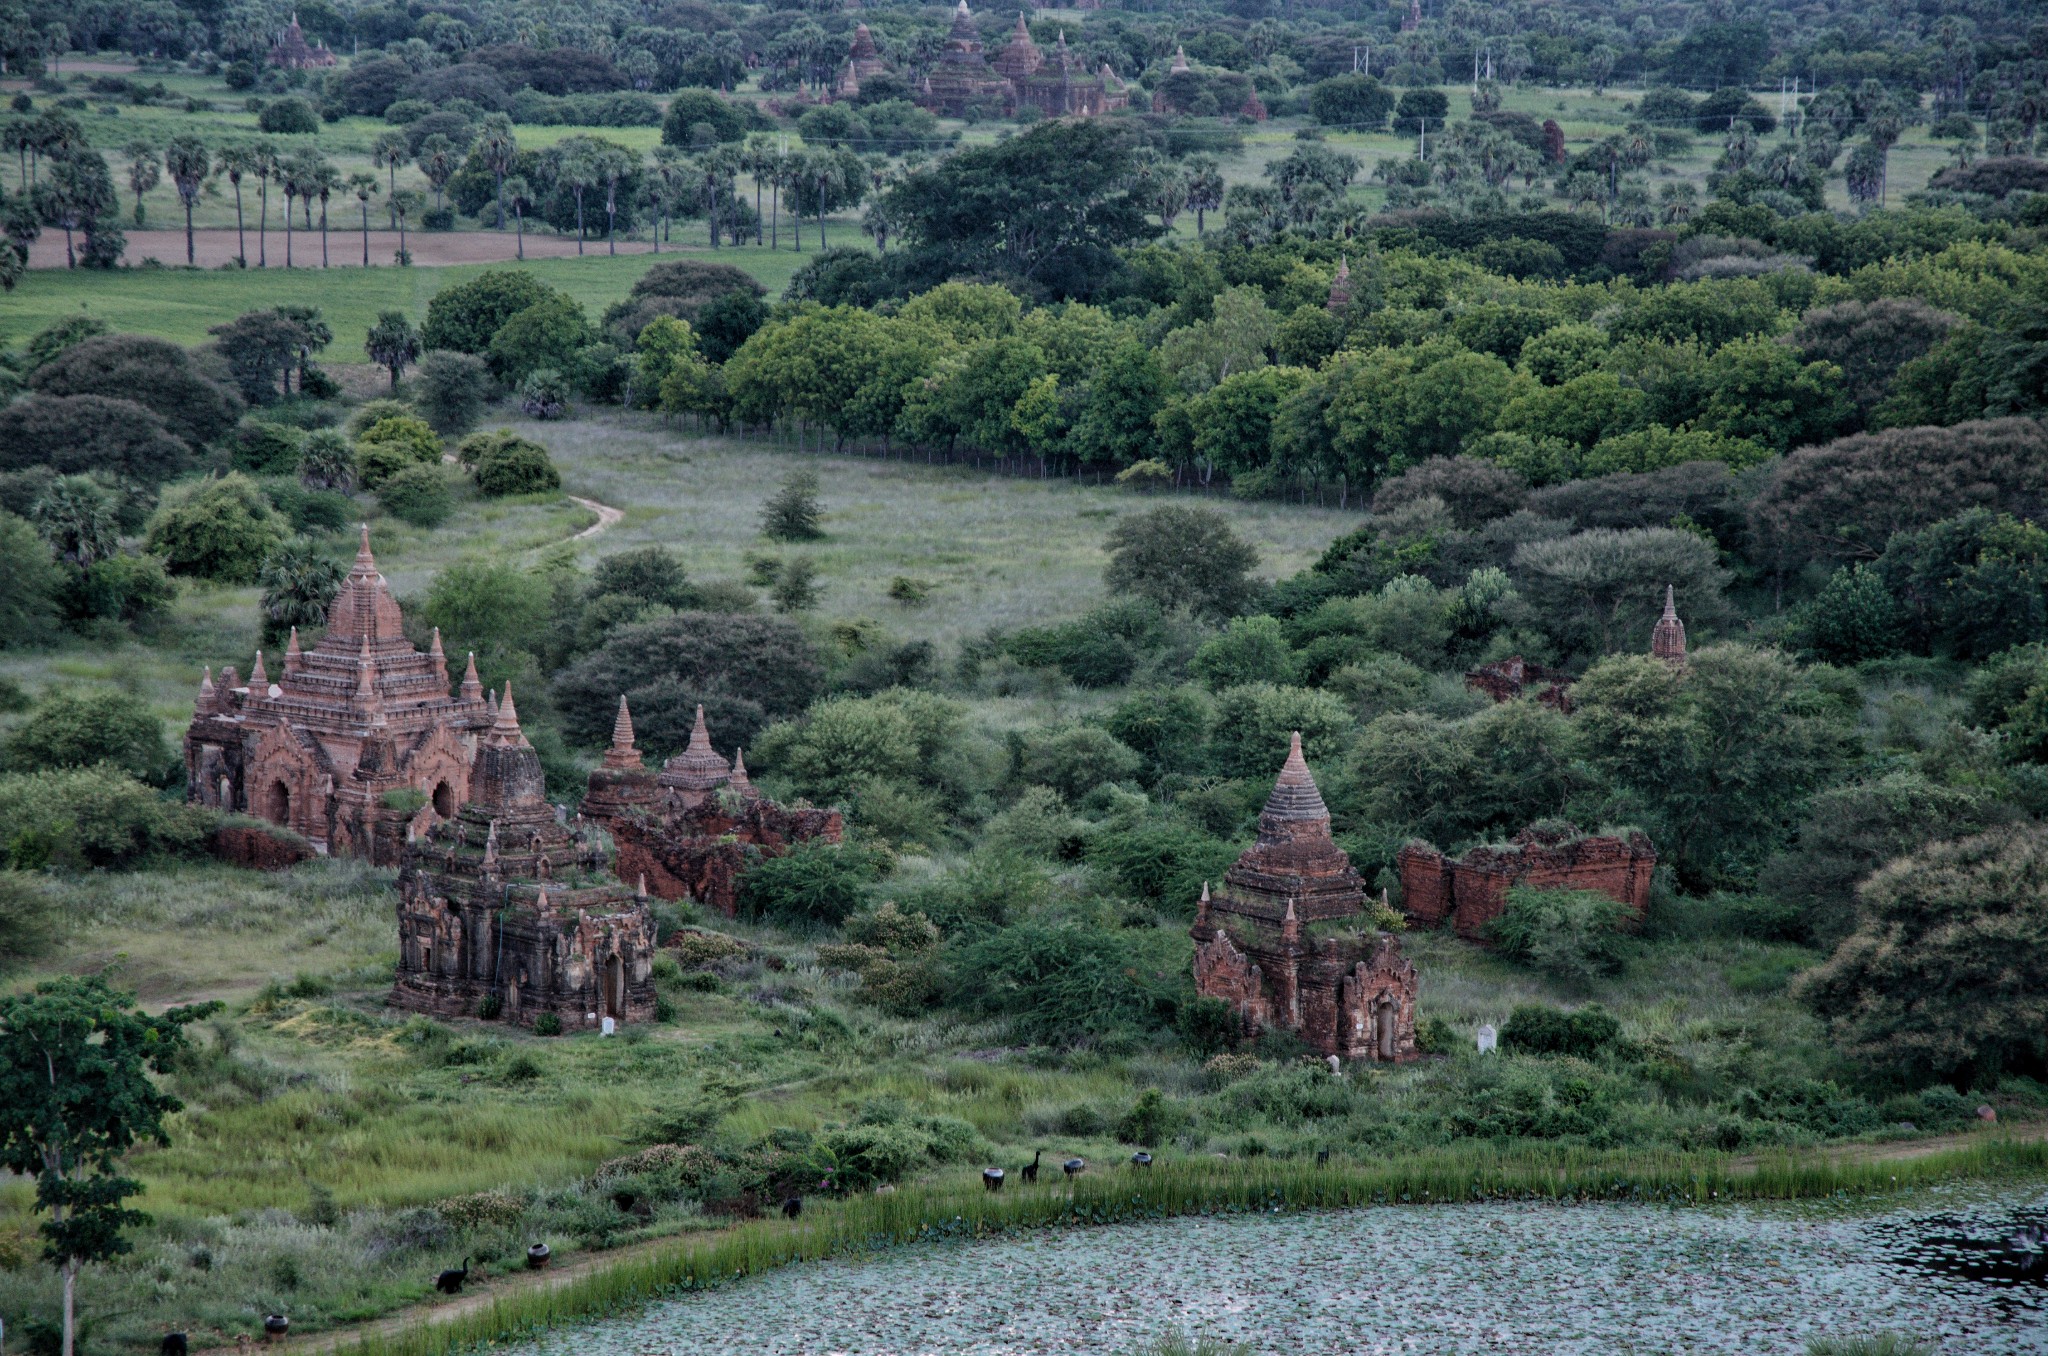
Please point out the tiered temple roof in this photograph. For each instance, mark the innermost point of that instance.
(1294, 866)
(1667, 638)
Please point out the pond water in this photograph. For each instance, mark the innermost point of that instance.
(1952, 1267)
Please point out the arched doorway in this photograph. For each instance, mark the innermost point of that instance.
(615, 987)
(280, 803)
(444, 800)
(1389, 1014)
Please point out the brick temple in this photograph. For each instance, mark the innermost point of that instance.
(1472, 890)
(1279, 940)
(1021, 76)
(503, 901)
(691, 830)
(336, 747)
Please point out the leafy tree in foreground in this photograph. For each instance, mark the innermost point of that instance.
(75, 1097)
(99, 725)
(1947, 974)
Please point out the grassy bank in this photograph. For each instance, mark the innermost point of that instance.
(1119, 1196)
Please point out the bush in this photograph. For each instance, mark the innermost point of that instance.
(1182, 557)
(451, 390)
(792, 513)
(29, 602)
(1075, 761)
(814, 882)
(1151, 1121)
(31, 918)
(289, 116)
(418, 495)
(544, 394)
(1581, 1034)
(99, 725)
(547, 1024)
(215, 529)
(1057, 981)
(465, 317)
(515, 466)
(79, 818)
(123, 588)
(392, 444)
(76, 435)
(265, 449)
(154, 373)
(1572, 934)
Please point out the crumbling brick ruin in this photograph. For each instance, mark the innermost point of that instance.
(691, 831)
(1515, 677)
(1270, 943)
(503, 901)
(337, 747)
(1472, 890)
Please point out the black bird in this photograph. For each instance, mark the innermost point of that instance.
(792, 1207)
(1031, 1168)
(174, 1344)
(1141, 1159)
(1322, 1158)
(450, 1281)
(1073, 1166)
(992, 1178)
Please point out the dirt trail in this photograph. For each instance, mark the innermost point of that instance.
(607, 516)
(215, 246)
(437, 1311)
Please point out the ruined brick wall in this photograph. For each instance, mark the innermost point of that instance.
(1478, 883)
(700, 853)
(258, 848)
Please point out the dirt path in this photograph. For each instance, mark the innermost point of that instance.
(607, 516)
(437, 1311)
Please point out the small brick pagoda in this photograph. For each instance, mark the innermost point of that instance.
(1266, 944)
(691, 830)
(503, 901)
(863, 62)
(1667, 637)
(292, 52)
(351, 726)
(1472, 890)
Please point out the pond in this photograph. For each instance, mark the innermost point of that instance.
(1963, 1268)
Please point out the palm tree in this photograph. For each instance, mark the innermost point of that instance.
(519, 193)
(613, 164)
(665, 185)
(143, 172)
(264, 156)
(1205, 190)
(19, 136)
(288, 180)
(438, 160)
(236, 161)
(364, 186)
(576, 168)
(189, 162)
(758, 158)
(388, 152)
(403, 204)
(499, 150)
(323, 180)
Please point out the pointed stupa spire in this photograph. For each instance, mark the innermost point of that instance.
(738, 780)
(1295, 796)
(491, 706)
(641, 891)
(697, 768)
(440, 659)
(1180, 60)
(472, 686)
(259, 678)
(209, 697)
(365, 562)
(1202, 907)
(622, 756)
(292, 653)
(366, 672)
(1667, 638)
(1340, 286)
(505, 731)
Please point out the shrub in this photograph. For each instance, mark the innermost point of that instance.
(451, 389)
(547, 1024)
(1581, 1034)
(154, 373)
(1056, 981)
(544, 394)
(392, 444)
(792, 513)
(263, 448)
(79, 818)
(289, 116)
(81, 729)
(1151, 1121)
(814, 882)
(215, 529)
(1254, 722)
(515, 466)
(465, 317)
(31, 918)
(1182, 557)
(87, 434)
(29, 602)
(1075, 761)
(1572, 934)
(418, 495)
(123, 588)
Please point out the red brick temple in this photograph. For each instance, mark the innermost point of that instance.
(1273, 942)
(1472, 890)
(505, 902)
(691, 830)
(334, 748)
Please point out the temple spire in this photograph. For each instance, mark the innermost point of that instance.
(440, 659)
(259, 679)
(505, 731)
(1667, 638)
(738, 779)
(365, 562)
(472, 686)
(292, 654)
(622, 754)
(209, 697)
(1340, 286)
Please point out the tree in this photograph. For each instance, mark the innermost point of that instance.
(392, 343)
(1969, 586)
(81, 434)
(84, 728)
(78, 197)
(793, 512)
(519, 196)
(745, 670)
(1355, 102)
(76, 516)
(189, 162)
(151, 372)
(452, 390)
(75, 1097)
(465, 317)
(289, 116)
(143, 172)
(796, 587)
(29, 602)
(327, 461)
(299, 583)
(236, 161)
(548, 334)
(1182, 557)
(1946, 974)
(1599, 590)
(498, 150)
(516, 466)
(215, 529)
(1871, 340)
(1716, 760)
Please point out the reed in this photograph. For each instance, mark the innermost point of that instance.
(933, 1213)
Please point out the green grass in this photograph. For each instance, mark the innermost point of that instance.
(180, 304)
(924, 1215)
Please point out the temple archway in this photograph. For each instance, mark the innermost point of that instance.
(280, 803)
(1386, 1023)
(444, 800)
(615, 987)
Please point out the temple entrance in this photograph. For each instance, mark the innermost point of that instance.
(615, 987)
(280, 803)
(1385, 1024)
(444, 800)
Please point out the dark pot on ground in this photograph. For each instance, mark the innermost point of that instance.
(537, 1256)
(276, 1325)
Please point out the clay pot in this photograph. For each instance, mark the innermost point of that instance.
(1141, 1160)
(537, 1257)
(275, 1326)
(992, 1178)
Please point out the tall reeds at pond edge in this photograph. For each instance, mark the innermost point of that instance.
(931, 1213)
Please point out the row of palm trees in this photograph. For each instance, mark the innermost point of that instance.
(302, 176)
